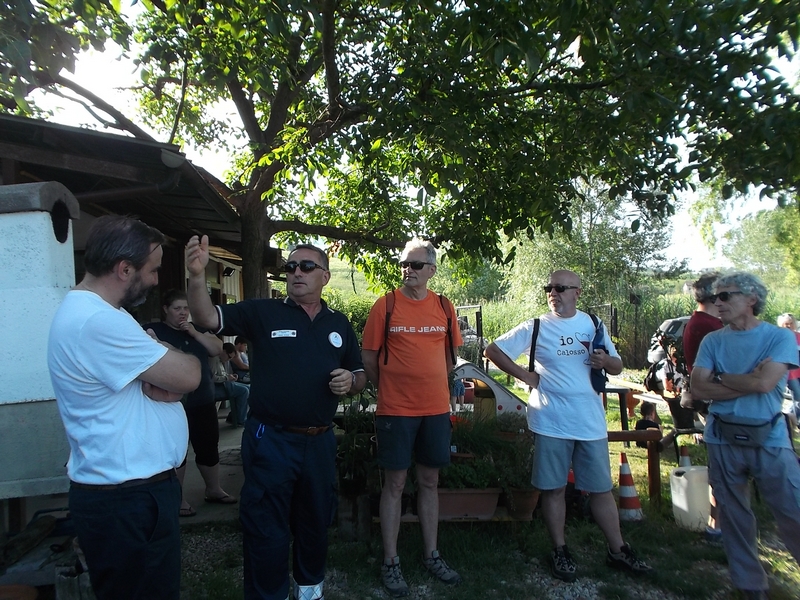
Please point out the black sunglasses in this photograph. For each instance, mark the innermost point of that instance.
(559, 288)
(724, 296)
(414, 264)
(306, 266)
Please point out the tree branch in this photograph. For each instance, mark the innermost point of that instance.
(120, 121)
(329, 58)
(336, 233)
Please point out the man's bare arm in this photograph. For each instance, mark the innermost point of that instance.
(761, 380)
(504, 363)
(175, 372)
(200, 305)
(370, 360)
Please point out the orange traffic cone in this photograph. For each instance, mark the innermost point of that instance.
(685, 460)
(630, 509)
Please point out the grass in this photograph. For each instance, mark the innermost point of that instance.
(507, 560)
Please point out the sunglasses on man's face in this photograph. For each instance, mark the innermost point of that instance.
(724, 296)
(306, 266)
(559, 288)
(414, 264)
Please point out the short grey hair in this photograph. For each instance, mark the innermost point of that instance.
(787, 318)
(323, 258)
(702, 288)
(416, 244)
(748, 284)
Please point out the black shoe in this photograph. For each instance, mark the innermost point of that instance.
(625, 560)
(561, 564)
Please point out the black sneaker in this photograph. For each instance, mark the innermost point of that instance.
(561, 564)
(626, 560)
(440, 569)
(393, 578)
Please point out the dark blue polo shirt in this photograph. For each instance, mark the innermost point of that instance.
(292, 358)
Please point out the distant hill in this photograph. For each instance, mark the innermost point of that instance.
(343, 277)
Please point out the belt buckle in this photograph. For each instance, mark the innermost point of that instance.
(312, 430)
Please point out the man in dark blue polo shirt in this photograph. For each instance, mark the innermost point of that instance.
(304, 357)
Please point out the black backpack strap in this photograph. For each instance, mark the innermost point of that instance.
(449, 314)
(389, 309)
(534, 337)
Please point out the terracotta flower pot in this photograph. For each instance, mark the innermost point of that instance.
(522, 503)
(468, 503)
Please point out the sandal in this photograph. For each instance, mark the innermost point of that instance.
(187, 512)
(226, 499)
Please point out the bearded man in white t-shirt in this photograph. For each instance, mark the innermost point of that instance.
(567, 417)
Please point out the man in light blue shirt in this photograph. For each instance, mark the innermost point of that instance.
(742, 369)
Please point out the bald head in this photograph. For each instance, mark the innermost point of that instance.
(563, 303)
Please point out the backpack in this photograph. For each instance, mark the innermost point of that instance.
(390, 307)
(652, 383)
(598, 376)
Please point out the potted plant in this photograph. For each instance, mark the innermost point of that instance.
(355, 454)
(468, 487)
(514, 463)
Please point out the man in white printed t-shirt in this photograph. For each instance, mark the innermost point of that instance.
(117, 390)
(567, 417)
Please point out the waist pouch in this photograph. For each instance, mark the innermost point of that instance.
(744, 431)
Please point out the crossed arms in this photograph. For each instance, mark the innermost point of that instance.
(761, 380)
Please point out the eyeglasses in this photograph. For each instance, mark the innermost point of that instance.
(724, 296)
(414, 264)
(306, 266)
(559, 288)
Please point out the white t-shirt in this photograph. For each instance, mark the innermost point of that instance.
(116, 433)
(565, 405)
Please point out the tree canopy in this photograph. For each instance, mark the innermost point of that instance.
(368, 122)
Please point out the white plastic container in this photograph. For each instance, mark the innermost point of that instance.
(690, 497)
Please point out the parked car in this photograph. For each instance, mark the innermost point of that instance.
(672, 328)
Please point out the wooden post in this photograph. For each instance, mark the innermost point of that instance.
(652, 437)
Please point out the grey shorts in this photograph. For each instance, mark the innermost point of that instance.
(427, 437)
(589, 459)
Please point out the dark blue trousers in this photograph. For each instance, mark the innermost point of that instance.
(131, 539)
(289, 490)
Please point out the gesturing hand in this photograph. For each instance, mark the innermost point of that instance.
(197, 255)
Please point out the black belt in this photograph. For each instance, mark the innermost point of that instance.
(307, 430)
(299, 430)
(125, 484)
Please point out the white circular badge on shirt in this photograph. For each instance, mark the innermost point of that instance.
(335, 339)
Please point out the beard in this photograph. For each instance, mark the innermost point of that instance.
(136, 294)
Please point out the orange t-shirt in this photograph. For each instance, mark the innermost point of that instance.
(414, 381)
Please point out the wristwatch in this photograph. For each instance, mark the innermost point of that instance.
(717, 378)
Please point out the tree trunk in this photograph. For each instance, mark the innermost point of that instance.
(257, 230)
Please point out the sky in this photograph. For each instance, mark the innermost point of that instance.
(108, 77)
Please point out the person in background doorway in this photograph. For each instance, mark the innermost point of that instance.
(200, 404)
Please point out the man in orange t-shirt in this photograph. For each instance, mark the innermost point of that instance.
(410, 366)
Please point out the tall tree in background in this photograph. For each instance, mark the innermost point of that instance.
(612, 259)
(448, 119)
(764, 243)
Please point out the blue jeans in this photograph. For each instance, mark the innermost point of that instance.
(237, 394)
(131, 539)
(794, 389)
(289, 491)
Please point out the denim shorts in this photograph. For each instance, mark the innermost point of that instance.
(427, 437)
(589, 459)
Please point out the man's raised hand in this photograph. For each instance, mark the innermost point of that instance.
(197, 255)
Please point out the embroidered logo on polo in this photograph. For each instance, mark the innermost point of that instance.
(284, 333)
(335, 339)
